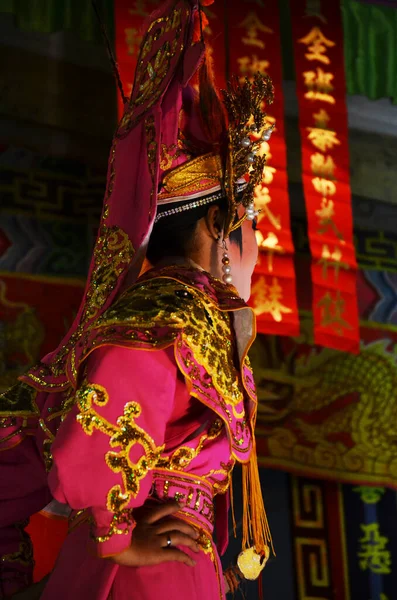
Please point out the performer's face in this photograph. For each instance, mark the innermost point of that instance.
(243, 262)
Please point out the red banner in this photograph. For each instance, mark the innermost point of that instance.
(320, 81)
(254, 35)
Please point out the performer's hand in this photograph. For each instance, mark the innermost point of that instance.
(151, 535)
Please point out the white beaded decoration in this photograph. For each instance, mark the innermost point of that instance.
(250, 212)
(226, 268)
(195, 204)
(266, 135)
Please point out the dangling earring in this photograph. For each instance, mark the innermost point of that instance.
(226, 268)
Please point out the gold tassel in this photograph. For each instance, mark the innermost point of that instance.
(257, 539)
(231, 495)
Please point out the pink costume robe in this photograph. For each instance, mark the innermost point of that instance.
(159, 403)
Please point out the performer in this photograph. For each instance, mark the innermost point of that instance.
(133, 425)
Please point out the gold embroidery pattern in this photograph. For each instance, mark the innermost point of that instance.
(110, 185)
(167, 158)
(24, 554)
(112, 255)
(193, 176)
(193, 492)
(17, 405)
(221, 485)
(152, 70)
(206, 330)
(318, 381)
(18, 401)
(40, 372)
(124, 435)
(183, 456)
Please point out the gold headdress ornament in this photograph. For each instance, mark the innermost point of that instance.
(246, 132)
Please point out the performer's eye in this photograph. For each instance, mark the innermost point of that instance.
(255, 224)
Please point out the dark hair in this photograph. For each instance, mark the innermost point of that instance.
(175, 235)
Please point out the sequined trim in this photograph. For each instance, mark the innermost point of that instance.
(24, 555)
(19, 401)
(151, 149)
(111, 178)
(112, 255)
(125, 434)
(195, 495)
(183, 456)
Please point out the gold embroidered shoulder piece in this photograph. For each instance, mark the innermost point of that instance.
(154, 313)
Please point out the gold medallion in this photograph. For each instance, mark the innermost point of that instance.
(251, 563)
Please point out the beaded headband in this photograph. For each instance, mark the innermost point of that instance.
(196, 203)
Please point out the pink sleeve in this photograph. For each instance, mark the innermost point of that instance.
(109, 442)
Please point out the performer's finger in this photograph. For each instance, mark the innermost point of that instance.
(178, 525)
(161, 511)
(176, 538)
(177, 555)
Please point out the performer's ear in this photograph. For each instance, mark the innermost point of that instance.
(213, 222)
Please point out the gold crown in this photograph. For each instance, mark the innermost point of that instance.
(246, 132)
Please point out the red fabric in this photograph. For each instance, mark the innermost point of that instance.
(47, 535)
(320, 81)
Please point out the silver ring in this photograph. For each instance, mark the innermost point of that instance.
(168, 540)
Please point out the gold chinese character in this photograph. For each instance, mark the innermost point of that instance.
(332, 309)
(262, 200)
(325, 187)
(318, 45)
(140, 7)
(373, 555)
(332, 260)
(249, 65)
(253, 24)
(323, 139)
(133, 40)
(319, 85)
(271, 245)
(321, 118)
(322, 166)
(313, 9)
(370, 495)
(267, 299)
(268, 174)
(326, 215)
